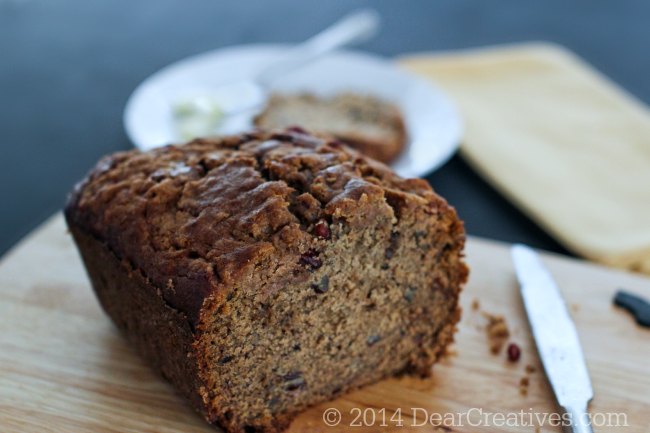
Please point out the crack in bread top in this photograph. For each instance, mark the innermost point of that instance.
(194, 218)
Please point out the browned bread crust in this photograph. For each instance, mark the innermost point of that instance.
(370, 125)
(267, 272)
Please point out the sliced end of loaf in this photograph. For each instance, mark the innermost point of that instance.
(378, 298)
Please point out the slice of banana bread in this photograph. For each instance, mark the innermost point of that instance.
(372, 126)
(267, 272)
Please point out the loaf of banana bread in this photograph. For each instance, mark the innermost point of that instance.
(267, 272)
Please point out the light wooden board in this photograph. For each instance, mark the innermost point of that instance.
(64, 367)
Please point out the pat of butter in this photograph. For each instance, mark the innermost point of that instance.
(197, 117)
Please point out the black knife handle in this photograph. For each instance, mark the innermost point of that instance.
(639, 307)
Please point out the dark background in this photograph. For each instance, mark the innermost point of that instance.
(67, 68)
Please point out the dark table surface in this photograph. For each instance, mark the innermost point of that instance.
(67, 68)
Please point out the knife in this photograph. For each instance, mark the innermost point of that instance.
(556, 338)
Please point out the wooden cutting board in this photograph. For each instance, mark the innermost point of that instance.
(65, 368)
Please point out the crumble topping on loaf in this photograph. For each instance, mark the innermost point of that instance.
(197, 216)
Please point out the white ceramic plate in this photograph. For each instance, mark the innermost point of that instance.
(433, 124)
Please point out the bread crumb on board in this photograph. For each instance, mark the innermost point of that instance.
(524, 382)
(450, 351)
(496, 329)
(497, 332)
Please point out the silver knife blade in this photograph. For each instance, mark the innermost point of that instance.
(554, 332)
